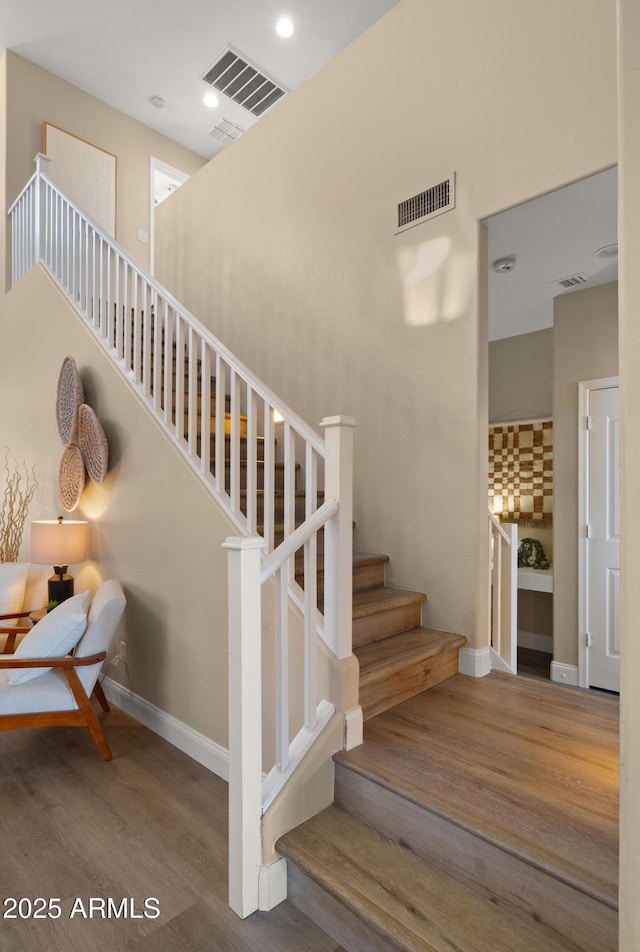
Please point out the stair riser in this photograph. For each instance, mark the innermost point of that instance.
(383, 624)
(329, 914)
(381, 695)
(534, 894)
(367, 576)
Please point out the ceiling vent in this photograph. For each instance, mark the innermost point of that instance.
(433, 201)
(232, 75)
(572, 281)
(226, 131)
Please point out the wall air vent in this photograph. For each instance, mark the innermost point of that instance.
(572, 281)
(226, 131)
(433, 201)
(232, 75)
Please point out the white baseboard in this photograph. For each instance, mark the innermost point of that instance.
(535, 641)
(564, 673)
(476, 662)
(272, 885)
(211, 755)
(353, 728)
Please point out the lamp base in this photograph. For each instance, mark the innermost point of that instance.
(60, 588)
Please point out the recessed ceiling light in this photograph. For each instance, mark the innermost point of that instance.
(211, 100)
(607, 251)
(284, 27)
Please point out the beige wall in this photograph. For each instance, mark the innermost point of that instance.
(585, 339)
(629, 234)
(153, 524)
(284, 245)
(3, 168)
(521, 377)
(35, 96)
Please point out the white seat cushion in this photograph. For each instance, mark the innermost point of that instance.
(53, 637)
(50, 692)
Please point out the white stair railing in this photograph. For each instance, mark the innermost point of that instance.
(503, 594)
(181, 371)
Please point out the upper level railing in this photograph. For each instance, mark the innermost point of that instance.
(282, 484)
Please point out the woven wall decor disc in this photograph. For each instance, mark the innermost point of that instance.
(69, 397)
(71, 477)
(93, 443)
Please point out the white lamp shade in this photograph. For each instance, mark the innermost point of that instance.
(59, 543)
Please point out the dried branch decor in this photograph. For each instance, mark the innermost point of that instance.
(20, 486)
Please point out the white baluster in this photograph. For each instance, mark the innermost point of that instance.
(282, 668)
(220, 462)
(251, 462)
(205, 410)
(310, 594)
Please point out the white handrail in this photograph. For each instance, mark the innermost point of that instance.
(297, 539)
(259, 386)
(503, 593)
(498, 527)
(181, 371)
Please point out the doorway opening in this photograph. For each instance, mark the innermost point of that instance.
(164, 180)
(552, 305)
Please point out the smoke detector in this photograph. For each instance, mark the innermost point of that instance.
(503, 265)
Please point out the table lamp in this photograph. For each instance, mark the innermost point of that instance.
(60, 543)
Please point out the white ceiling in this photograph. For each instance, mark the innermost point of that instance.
(551, 237)
(127, 51)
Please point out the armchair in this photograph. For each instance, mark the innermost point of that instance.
(60, 695)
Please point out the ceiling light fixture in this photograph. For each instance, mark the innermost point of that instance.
(607, 251)
(504, 265)
(211, 100)
(284, 27)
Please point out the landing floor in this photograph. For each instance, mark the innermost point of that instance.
(532, 764)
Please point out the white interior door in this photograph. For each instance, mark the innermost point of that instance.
(603, 540)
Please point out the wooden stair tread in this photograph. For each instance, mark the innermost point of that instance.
(380, 659)
(545, 788)
(375, 600)
(411, 904)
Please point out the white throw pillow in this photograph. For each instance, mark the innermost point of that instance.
(53, 637)
(13, 580)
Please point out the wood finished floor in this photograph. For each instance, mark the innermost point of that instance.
(151, 823)
(533, 765)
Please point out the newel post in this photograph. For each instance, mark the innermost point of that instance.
(42, 165)
(338, 534)
(245, 723)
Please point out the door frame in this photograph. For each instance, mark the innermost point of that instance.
(585, 388)
(158, 165)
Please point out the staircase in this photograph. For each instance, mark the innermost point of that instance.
(398, 657)
(480, 816)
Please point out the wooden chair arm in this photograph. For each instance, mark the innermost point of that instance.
(17, 614)
(15, 629)
(68, 661)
